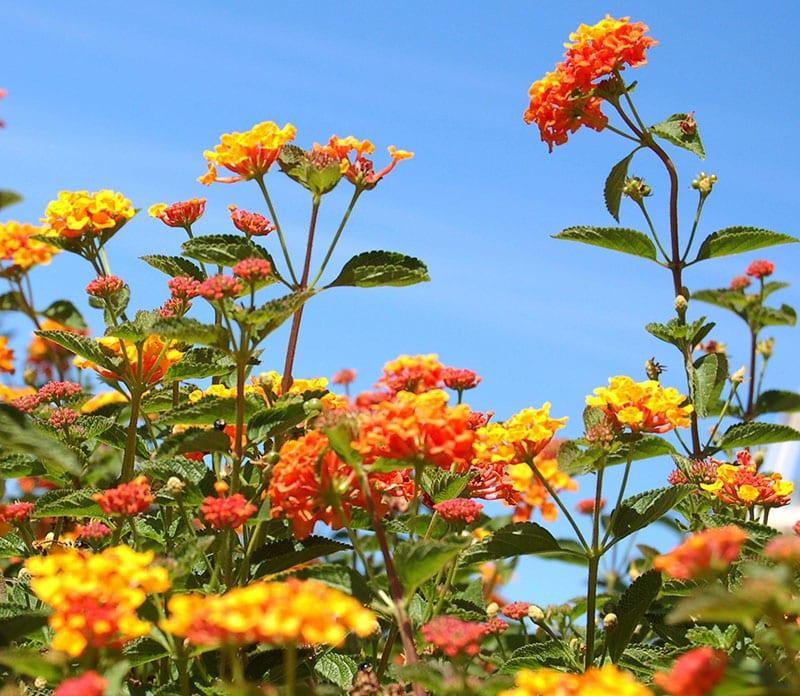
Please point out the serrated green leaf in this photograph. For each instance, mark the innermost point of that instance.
(278, 556)
(644, 447)
(612, 191)
(185, 469)
(418, 561)
(208, 411)
(285, 413)
(734, 300)
(633, 605)
(194, 440)
(738, 240)
(759, 316)
(757, 433)
(198, 363)
(615, 238)
(9, 302)
(708, 376)
(67, 503)
(441, 485)
(517, 539)
(537, 656)
(670, 129)
(187, 330)
(79, 345)
(223, 249)
(339, 576)
(337, 668)
(777, 401)
(679, 334)
(11, 545)
(19, 436)
(143, 650)
(643, 509)
(174, 266)
(381, 268)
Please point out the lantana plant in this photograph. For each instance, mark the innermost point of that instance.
(180, 519)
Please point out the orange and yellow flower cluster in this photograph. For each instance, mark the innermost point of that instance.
(564, 99)
(6, 356)
(95, 596)
(20, 249)
(608, 679)
(126, 499)
(300, 612)
(248, 155)
(642, 407)
(77, 214)
(704, 554)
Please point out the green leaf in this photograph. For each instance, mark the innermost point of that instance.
(174, 266)
(198, 363)
(339, 576)
(679, 334)
(11, 545)
(708, 377)
(538, 655)
(644, 447)
(381, 268)
(271, 315)
(616, 238)
(67, 503)
(79, 345)
(65, 313)
(223, 249)
(188, 330)
(734, 300)
(285, 413)
(337, 668)
(777, 401)
(340, 437)
(9, 302)
(207, 411)
(319, 180)
(757, 433)
(737, 240)
(194, 440)
(31, 664)
(759, 316)
(417, 561)
(612, 192)
(643, 509)
(633, 605)
(143, 650)
(19, 436)
(8, 198)
(442, 485)
(185, 469)
(517, 539)
(278, 556)
(670, 130)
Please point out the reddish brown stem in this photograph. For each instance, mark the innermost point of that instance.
(751, 388)
(294, 332)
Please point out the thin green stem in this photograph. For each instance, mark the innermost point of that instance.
(284, 248)
(335, 241)
(560, 504)
(620, 498)
(594, 564)
(129, 456)
(653, 230)
(622, 133)
(751, 387)
(290, 668)
(242, 356)
(723, 412)
(700, 203)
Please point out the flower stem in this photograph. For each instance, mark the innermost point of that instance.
(294, 333)
(338, 234)
(130, 442)
(560, 504)
(265, 193)
(290, 668)
(594, 564)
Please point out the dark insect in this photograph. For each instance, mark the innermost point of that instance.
(653, 369)
(219, 424)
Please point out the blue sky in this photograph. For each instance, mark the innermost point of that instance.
(128, 96)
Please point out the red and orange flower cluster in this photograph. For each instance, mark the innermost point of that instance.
(565, 99)
(695, 673)
(704, 554)
(743, 484)
(222, 511)
(127, 498)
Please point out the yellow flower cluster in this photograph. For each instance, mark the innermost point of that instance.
(102, 400)
(533, 494)
(304, 612)
(519, 438)
(273, 379)
(18, 246)
(594, 682)
(223, 392)
(642, 406)
(249, 154)
(75, 214)
(95, 596)
(6, 356)
(8, 394)
(157, 356)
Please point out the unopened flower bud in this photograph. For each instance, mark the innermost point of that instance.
(766, 347)
(634, 572)
(704, 183)
(40, 682)
(174, 485)
(610, 622)
(491, 609)
(636, 189)
(758, 458)
(29, 377)
(681, 303)
(535, 613)
(24, 575)
(738, 376)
